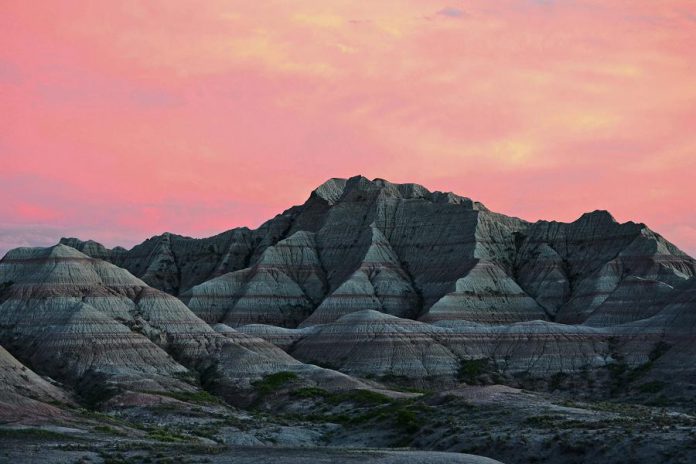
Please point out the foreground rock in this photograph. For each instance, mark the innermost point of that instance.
(100, 330)
(27, 398)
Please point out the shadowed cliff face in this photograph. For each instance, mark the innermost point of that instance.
(25, 396)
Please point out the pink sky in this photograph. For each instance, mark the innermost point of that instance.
(121, 120)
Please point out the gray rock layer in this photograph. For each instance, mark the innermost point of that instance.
(94, 326)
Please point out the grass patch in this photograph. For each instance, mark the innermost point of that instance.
(273, 382)
(32, 433)
(542, 422)
(405, 416)
(360, 397)
(199, 397)
(166, 436)
(407, 420)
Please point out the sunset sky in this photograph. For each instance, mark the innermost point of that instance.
(124, 119)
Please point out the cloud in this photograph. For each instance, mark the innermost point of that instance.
(155, 98)
(451, 12)
(9, 73)
(28, 236)
(119, 123)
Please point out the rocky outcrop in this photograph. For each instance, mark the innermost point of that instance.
(572, 269)
(666, 340)
(377, 345)
(64, 314)
(379, 283)
(25, 396)
(633, 299)
(100, 329)
(371, 343)
(393, 248)
(377, 278)
(487, 295)
(281, 337)
(282, 288)
(400, 249)
(535, 348)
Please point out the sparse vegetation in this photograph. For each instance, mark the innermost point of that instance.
(4, 286)
(652, 387)
(273, 382)
(108, 430)
(198, 397)
(33, 433)
(471, 369)
(363, 397)
(162, 434)
(557, 380)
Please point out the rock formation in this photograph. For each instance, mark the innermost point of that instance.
(370, 277)
(400, 249)
(101, 330)
(25, 396)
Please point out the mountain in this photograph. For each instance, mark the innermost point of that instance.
(483, 285)
(326, 325)
(400, 249)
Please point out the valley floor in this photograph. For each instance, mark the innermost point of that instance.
(475, 424)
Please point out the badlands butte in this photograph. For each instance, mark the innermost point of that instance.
(377, 322)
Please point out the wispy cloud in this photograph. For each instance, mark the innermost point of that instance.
(451, 12)
(120, 122)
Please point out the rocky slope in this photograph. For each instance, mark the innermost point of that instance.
(101, 330)
(25, 397)
(376, 345)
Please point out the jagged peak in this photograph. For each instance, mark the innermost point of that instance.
(299, 239)
(72, 241)
(331, 190)
(597, 216)
(379, 251)
(64, 251)
(336, 189)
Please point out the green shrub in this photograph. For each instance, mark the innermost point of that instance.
(542, 422)
(273, 382)
(407, 420)
(166, 436)
(651, 387)
(470, 369)
(362, 397)
(557, 380)
(33, 433)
